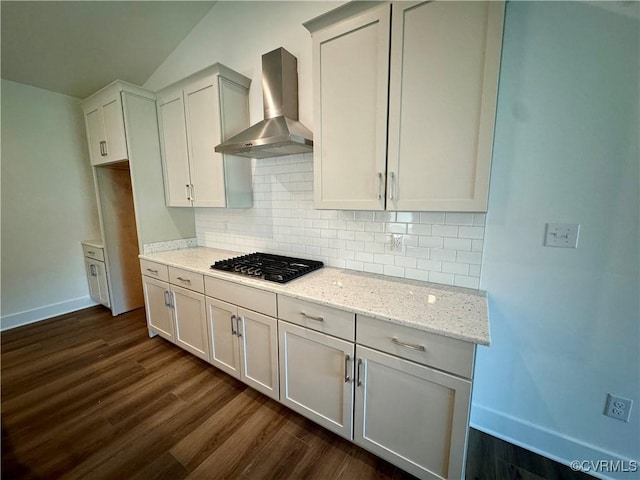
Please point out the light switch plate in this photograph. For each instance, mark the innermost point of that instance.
(562, 235)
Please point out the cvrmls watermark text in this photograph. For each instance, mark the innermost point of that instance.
(602, 466)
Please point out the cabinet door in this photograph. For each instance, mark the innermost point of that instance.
(95, 135)
(445, 58)
(92, 278)
(258, 337)
(102, 285)
(157, 306)
(350, 64)
(190, 321)
(116, 146)
(411, 415)
(173, 135)
(203, 134)
(316, 373)
(222, 319)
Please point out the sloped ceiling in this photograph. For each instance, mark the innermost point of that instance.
(78, 47)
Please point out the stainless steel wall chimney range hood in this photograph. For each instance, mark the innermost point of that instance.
(280, 133)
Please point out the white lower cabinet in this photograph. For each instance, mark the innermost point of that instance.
(97, 276)
(158, 308)
(190, 321)
(96, 273)
(411, 415)
(401, 393)
(175, 313)
(244, 344)
(316, 377)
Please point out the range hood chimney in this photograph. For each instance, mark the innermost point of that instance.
(280, 133)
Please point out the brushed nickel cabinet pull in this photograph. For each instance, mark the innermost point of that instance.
(233, 330)
(392, 185)
(311, 317)
(347, 378)
(358, 374)
(419, 348)
(238, 320)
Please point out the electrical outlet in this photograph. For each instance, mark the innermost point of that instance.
(618, 407)
(562, 235)
(397, 242)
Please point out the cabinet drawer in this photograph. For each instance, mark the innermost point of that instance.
(154, 270)
(186, 279)
(93, 252)
(444, 353)
(247, 297)
(321, 318)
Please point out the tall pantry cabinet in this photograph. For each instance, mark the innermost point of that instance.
(404, 104)
(124, 149)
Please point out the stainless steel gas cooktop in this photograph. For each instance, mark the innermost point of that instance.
(275, 268)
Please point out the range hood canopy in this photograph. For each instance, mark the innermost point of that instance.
(280, 133)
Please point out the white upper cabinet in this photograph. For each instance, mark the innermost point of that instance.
(404, 101)
(104, 121)
(195, 115)
(350, 112)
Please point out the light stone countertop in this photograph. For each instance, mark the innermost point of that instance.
(450, 311)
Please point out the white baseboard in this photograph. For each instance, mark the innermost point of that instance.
(548, 443)
(14, 320)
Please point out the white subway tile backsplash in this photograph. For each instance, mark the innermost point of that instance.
(417, 252)
(408, 217)
(418, 229)
(373, 268)
(444, 230)
(476, 233)
(385, 217)
(364, 257)
(457, 244)
(474, 271)
(434, 218)
(430, 242)
(396, 228)
(465, 281)
(455, 218)
(406, 262)
(473, 258)
(457, 268)
(438, 277)
(393, 271)
(438, 247)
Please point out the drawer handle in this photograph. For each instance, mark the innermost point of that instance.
(184, 280)
(419, 348)
(238, 323)
(311, 317)
(347, 378)
(91, 252)
(152, 271)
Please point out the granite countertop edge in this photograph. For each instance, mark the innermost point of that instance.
(326, 287)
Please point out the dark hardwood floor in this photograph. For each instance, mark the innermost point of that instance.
(88, 395)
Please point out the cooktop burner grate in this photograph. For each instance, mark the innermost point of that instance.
(275, 268)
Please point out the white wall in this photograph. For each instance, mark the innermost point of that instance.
(564, 323)
(48, 205)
